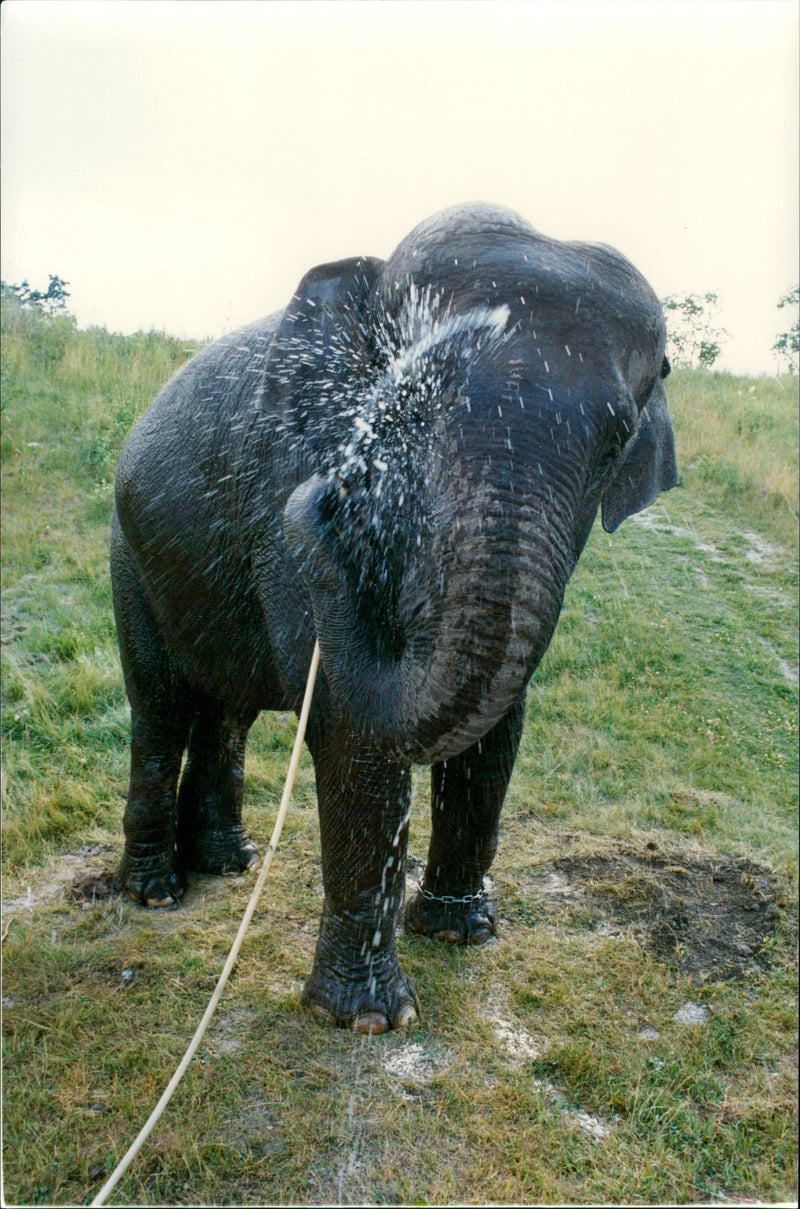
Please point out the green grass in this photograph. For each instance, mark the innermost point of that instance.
(738, 444)
(663, 715)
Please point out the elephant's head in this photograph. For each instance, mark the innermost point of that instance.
(470, 404)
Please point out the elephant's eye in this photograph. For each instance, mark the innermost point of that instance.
(666, 369)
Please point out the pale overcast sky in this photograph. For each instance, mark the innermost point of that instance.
(182, 164)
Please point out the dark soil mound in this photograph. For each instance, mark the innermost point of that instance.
(707, 917)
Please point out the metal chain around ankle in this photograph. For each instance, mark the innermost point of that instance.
(448, 898)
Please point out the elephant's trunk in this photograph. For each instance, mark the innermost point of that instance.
(426, 662)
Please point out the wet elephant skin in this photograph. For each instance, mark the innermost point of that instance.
(405, 463)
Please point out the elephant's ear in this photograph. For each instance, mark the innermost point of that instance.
(321, 339)
(647, 465)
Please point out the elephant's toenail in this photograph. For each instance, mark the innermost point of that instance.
(371, 1022)
(166, 901)
(407, 1015)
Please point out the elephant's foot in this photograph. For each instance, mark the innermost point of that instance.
(369, 994)
(222, 850)
(365, 1003)
(150, 879)
(463, 922)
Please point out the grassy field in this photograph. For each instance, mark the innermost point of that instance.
(631, 1033)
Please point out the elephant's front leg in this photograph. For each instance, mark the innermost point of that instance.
(467, 794)
(364, 804)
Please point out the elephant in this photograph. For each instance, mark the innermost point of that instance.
(403, 465)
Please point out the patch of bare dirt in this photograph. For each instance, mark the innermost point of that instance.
(83, 876)
(91, 885)
(708, 917)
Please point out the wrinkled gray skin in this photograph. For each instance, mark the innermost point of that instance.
(405, 463)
